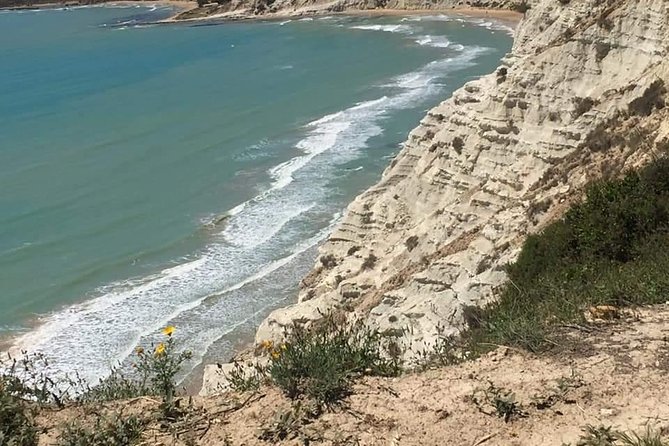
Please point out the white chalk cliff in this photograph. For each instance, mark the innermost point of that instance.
(579, 97)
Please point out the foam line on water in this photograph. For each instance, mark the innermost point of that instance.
(91, 336)
(434, 41)
(403, 29)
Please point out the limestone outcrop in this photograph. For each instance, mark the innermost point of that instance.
(244, 9)
(580, 96)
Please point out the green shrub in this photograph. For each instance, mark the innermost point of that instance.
(17, 427)
(606, 436)
(244, 379)
(497, 401)
(154, 373)
(113, 431)
(322, 361)
(612, 249)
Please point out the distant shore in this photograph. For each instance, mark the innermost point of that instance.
(511, 18)
(180, 5)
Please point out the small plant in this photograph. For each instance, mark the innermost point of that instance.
(113, 431)
(597, 436)
(321, 362)
(287, 425)
(648, 438)
(446, 350)
(245, 379)
(564, 385)
(502, 402)
(17, 426)
(606, 436)
(162, 367)
(154, 374)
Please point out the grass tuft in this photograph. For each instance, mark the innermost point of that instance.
(113, 431)
(612, 249)
(322, 361)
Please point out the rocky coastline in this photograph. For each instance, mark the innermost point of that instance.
(580, 97)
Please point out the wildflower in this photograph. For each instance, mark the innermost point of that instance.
(276, 354)
(160, 350)
(267, 344)
(284, 347)
(167, 331)
(139, 351)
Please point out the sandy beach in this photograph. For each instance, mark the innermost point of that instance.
(179, 5)
(511, 18)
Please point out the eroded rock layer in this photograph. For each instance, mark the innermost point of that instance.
(580, 96)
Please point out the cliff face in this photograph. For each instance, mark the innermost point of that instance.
(579, 97)
(242, 9)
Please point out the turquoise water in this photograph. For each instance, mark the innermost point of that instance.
(186, 174)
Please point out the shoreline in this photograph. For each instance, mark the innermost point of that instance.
(196, 377)
(179, 5)
(508, 17)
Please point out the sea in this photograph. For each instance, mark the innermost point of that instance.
(185, 174)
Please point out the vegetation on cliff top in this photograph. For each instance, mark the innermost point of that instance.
(610, 251)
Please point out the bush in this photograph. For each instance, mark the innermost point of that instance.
(612, 249)
(17, 427)
(606, 436)
(113, 431)
(497, 401)
(154, 374)
(322, 361)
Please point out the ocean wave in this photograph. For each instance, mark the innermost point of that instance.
(491, 24)
(435, 41)
(260, 237)
(403, 29)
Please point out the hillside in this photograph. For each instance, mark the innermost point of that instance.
(421, 262)
(580, 97)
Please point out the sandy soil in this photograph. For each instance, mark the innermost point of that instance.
(497, 14)
(606, 374)
(180, 5)
(510, 18)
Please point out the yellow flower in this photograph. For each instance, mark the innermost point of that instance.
(139, 350)
(267, 344)
(167, 331)
(284, 346)
(276, 354)
(160, 349)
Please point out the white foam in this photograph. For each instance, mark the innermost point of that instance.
(435, 41)
(260, 236)
(404, 29)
